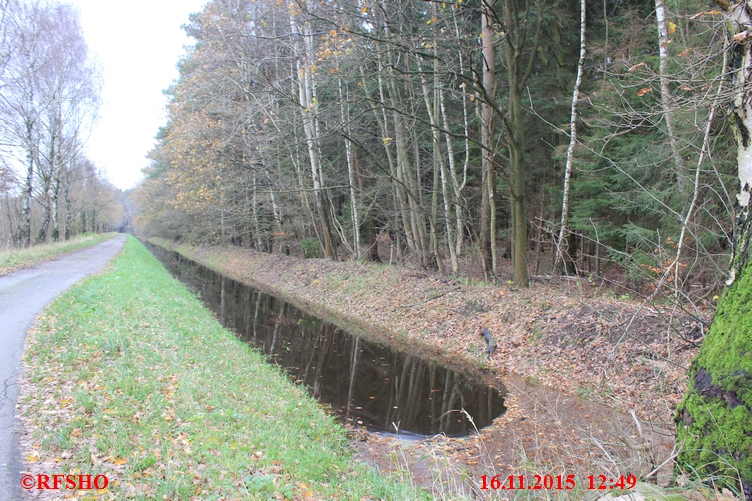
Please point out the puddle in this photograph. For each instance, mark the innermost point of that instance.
(366, 383)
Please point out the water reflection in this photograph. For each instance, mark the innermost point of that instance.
(367, 383)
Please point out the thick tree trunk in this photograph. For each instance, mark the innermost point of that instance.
(715, 419)
(68, 213)
(519, 35)
(519, 212)
(518, 190)
(55, 208)
(24, 222)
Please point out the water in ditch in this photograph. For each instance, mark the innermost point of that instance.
(366, 383)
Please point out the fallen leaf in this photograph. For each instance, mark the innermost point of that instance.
(706, 13)
(637, 66)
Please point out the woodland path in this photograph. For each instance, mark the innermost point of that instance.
(23, 295)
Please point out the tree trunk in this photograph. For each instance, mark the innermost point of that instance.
(24, 222)
(488, 175)
(46, 212)
(308, 110)
(55, 208)
(439, 172)
(459, 200)
(715, 418)
(519, 36)
(68, 213)
(561, 250)
(667, 101)
(345, 115)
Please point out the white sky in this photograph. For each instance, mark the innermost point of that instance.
(137, 44)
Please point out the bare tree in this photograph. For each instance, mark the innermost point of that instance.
(47, 102)
(488, 169)
(308, 105)
(562, 254)
(71, 81)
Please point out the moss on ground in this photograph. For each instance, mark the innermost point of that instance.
(715, 418)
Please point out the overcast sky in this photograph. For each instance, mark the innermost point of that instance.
(138, 45)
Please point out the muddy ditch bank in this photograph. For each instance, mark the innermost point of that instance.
(556, 345)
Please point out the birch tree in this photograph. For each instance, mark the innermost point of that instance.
(715, 418)
(308, 105)
(22, 102)
(561, 247)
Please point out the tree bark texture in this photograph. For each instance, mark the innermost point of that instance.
(488, 176)
(308, 111)
(564, 259)
(714, 421)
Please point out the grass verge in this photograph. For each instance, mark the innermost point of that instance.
(128, 376)
(15, 259)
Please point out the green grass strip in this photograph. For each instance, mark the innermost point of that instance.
(132, 378)
(15, 259)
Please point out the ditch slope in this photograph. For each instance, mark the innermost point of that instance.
(578, 365)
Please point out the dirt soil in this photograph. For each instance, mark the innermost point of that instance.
(592, 380)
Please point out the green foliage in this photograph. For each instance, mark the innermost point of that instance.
(629, 183)
(311, 248)
(233, 164)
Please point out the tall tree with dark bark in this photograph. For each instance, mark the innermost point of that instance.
(517, 28)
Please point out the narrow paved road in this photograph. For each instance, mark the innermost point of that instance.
(23, 295)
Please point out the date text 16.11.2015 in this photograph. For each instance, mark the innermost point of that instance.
(556, 482)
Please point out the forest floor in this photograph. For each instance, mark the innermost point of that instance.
(592, 379)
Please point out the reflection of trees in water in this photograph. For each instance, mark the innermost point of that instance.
(360, 380)
(354, 363)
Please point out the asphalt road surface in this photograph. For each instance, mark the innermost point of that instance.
(23, 295)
